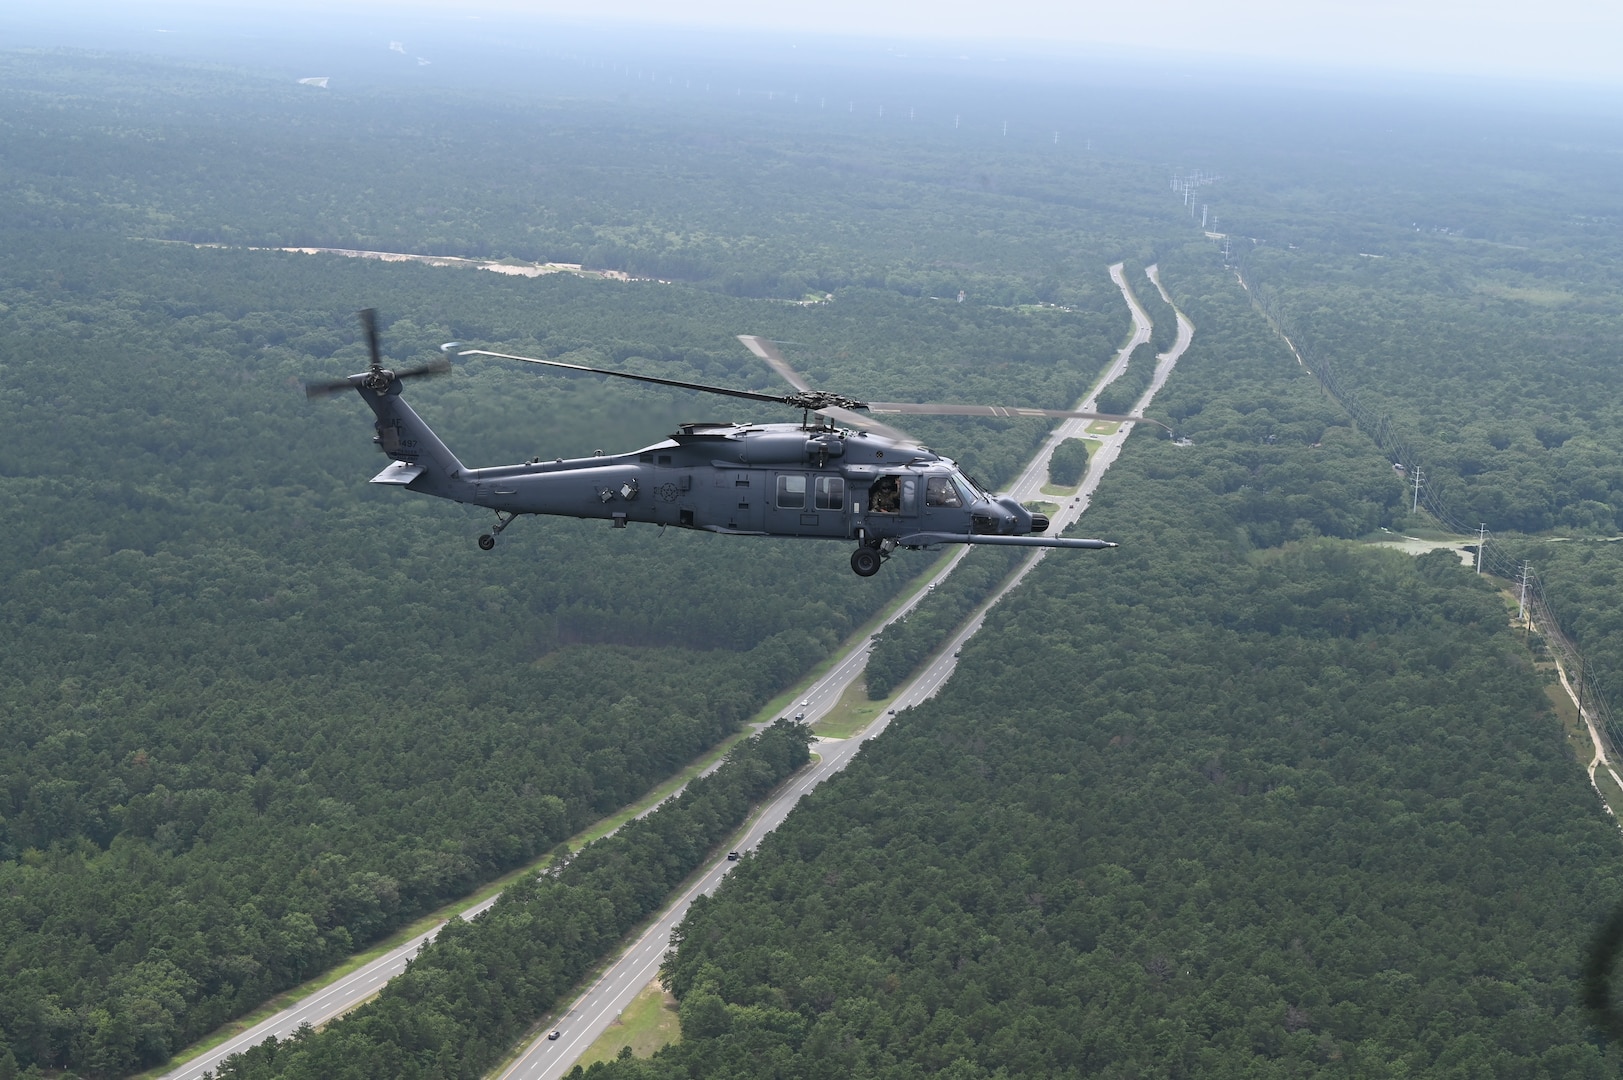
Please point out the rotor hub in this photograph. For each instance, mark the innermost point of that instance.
(815, 400)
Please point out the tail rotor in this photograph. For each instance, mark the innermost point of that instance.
(376, 378)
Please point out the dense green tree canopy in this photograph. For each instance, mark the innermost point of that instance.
(1233, 798)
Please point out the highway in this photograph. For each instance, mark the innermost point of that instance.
(321, 1006)
(594, 1011)
(592, 1014)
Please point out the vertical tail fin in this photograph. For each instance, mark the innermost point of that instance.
(422, 462)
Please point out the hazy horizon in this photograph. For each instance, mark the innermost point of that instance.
(1568, 46)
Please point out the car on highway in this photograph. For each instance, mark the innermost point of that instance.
(732, 856)
(553, 1037)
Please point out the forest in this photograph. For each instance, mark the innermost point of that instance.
(472, 991)
(1239, 797)
(257, 714)
(906, 643)
(1217, 809)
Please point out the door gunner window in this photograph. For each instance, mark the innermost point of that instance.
(938, 491)
(791, 493)
(884, 496)
(830, 493)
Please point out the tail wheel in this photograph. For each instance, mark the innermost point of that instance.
(486, 542)
(865, 561)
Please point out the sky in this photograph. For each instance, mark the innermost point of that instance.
(1558, 41)
(1563, 40)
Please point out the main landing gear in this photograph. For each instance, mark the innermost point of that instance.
(488, 541)
(866, 559)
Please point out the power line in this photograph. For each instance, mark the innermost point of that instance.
(1492, 555)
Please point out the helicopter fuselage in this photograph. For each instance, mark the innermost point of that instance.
(812, 480)
(759, 480)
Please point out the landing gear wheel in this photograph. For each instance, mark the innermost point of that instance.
(865, 561)
(503, 520)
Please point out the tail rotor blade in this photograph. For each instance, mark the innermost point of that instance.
(433, 367)
(313, 390)
(369, 323)
(376, 378)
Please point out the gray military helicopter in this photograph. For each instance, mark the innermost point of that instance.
(835, 475)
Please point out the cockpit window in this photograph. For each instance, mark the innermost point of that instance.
(938, 491)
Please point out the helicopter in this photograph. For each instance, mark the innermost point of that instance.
(837, 474)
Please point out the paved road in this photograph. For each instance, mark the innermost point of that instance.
(1028, 486)
(599, 1007)
(323, 1005)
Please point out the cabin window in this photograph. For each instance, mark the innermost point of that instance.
(830, 492)
(910, 495)
(884, 496)
(791, 493)
(664, 459)
(938, 491)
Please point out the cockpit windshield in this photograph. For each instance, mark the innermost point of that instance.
(941, 491)
(973, 492)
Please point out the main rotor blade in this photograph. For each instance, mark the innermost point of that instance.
(768, 351)
(823, 402)
(747, 395)
(868, 423)
(1006, 412)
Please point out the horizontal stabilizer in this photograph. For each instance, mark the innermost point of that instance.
(398, 472)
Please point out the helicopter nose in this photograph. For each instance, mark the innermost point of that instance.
(1039, 523)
